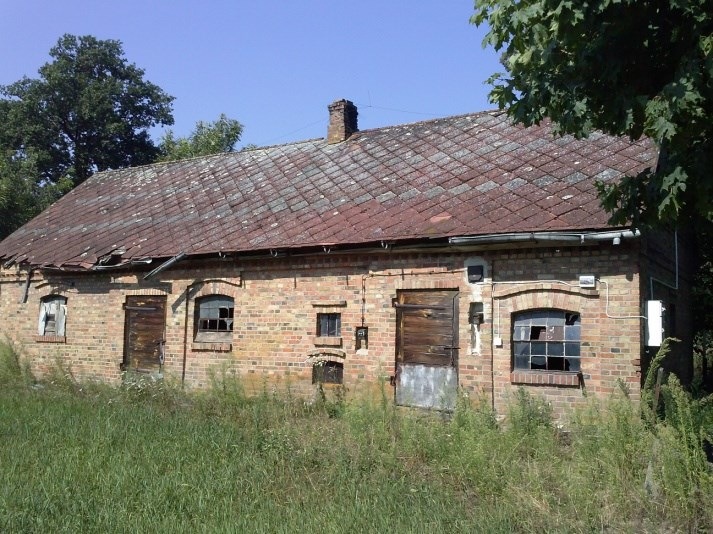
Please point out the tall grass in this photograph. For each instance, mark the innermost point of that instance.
(146, 457)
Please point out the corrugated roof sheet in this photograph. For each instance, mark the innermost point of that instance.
(466, 175)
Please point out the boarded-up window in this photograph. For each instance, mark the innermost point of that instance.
(546, 340)
(53, 316)
(214, 318)
(328, 372)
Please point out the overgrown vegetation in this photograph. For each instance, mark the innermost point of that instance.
(84, 457)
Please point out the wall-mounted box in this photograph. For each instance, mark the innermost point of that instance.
(587, 280)
(654, 323)
(362, 337)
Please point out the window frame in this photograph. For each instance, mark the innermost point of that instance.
(54, 306)
(204, 315)
(546, 340)
(325, 319)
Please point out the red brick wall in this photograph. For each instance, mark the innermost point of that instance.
(277, 300)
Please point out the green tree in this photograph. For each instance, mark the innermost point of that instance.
(624, 67)
(21, 197)
(207, 138)
(88, 111)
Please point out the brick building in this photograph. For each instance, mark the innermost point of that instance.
(463, 252)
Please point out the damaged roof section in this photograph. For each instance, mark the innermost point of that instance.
(466, 175)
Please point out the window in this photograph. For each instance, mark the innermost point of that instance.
(328, 372)
(329, 324)
(53, 315)
(546, 340)
(214, 318)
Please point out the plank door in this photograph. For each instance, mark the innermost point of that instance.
(427, 348)
(144, 327)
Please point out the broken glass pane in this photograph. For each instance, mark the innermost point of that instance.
(555, 333)
(538, 362)
(571, 318)
(555, 364)
(538, 332)
(573, 364)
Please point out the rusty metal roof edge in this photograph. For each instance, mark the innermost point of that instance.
(384, 245)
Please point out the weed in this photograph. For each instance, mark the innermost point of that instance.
(14, 370)
(219, 460)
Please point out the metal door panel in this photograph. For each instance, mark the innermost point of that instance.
(427, 386)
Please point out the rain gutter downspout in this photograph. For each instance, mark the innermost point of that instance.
(185, 332)
(185, 338)
(165, 265)
(492, 333)
(23, 298)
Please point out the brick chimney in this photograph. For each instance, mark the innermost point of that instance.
(342, 121)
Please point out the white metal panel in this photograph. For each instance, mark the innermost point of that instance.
(654, 323)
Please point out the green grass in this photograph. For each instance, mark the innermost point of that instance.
(79, 457)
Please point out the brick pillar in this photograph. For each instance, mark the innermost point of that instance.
(342, 121)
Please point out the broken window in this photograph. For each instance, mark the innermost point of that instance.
(475, 319)
(546, 340)
(329, 324)
(53, 315)
(214, 318)
(328, 372)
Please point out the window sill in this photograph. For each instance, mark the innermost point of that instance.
(545, 378)
(214, 346)
(50, 339)
(328, 341)
(329, 303)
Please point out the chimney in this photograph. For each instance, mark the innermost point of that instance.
(342, 121)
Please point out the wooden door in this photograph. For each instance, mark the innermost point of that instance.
(144, 326)
(427, 348)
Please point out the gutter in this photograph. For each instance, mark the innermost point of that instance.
(407, 245)
(615, 236)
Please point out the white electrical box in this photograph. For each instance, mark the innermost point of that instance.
(654, 323)
(587, 280)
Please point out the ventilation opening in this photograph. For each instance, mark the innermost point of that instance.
(328, 372)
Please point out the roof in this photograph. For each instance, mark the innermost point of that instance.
(466, 175)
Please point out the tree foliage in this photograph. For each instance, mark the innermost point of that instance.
(89, 110)
(207, 138)
(624, 67)
(21, 197)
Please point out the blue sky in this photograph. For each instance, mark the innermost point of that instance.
(275, 65)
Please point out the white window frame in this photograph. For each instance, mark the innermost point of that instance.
(53, 310)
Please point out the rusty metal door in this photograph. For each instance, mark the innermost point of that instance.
(427, 348)
(144, 326)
